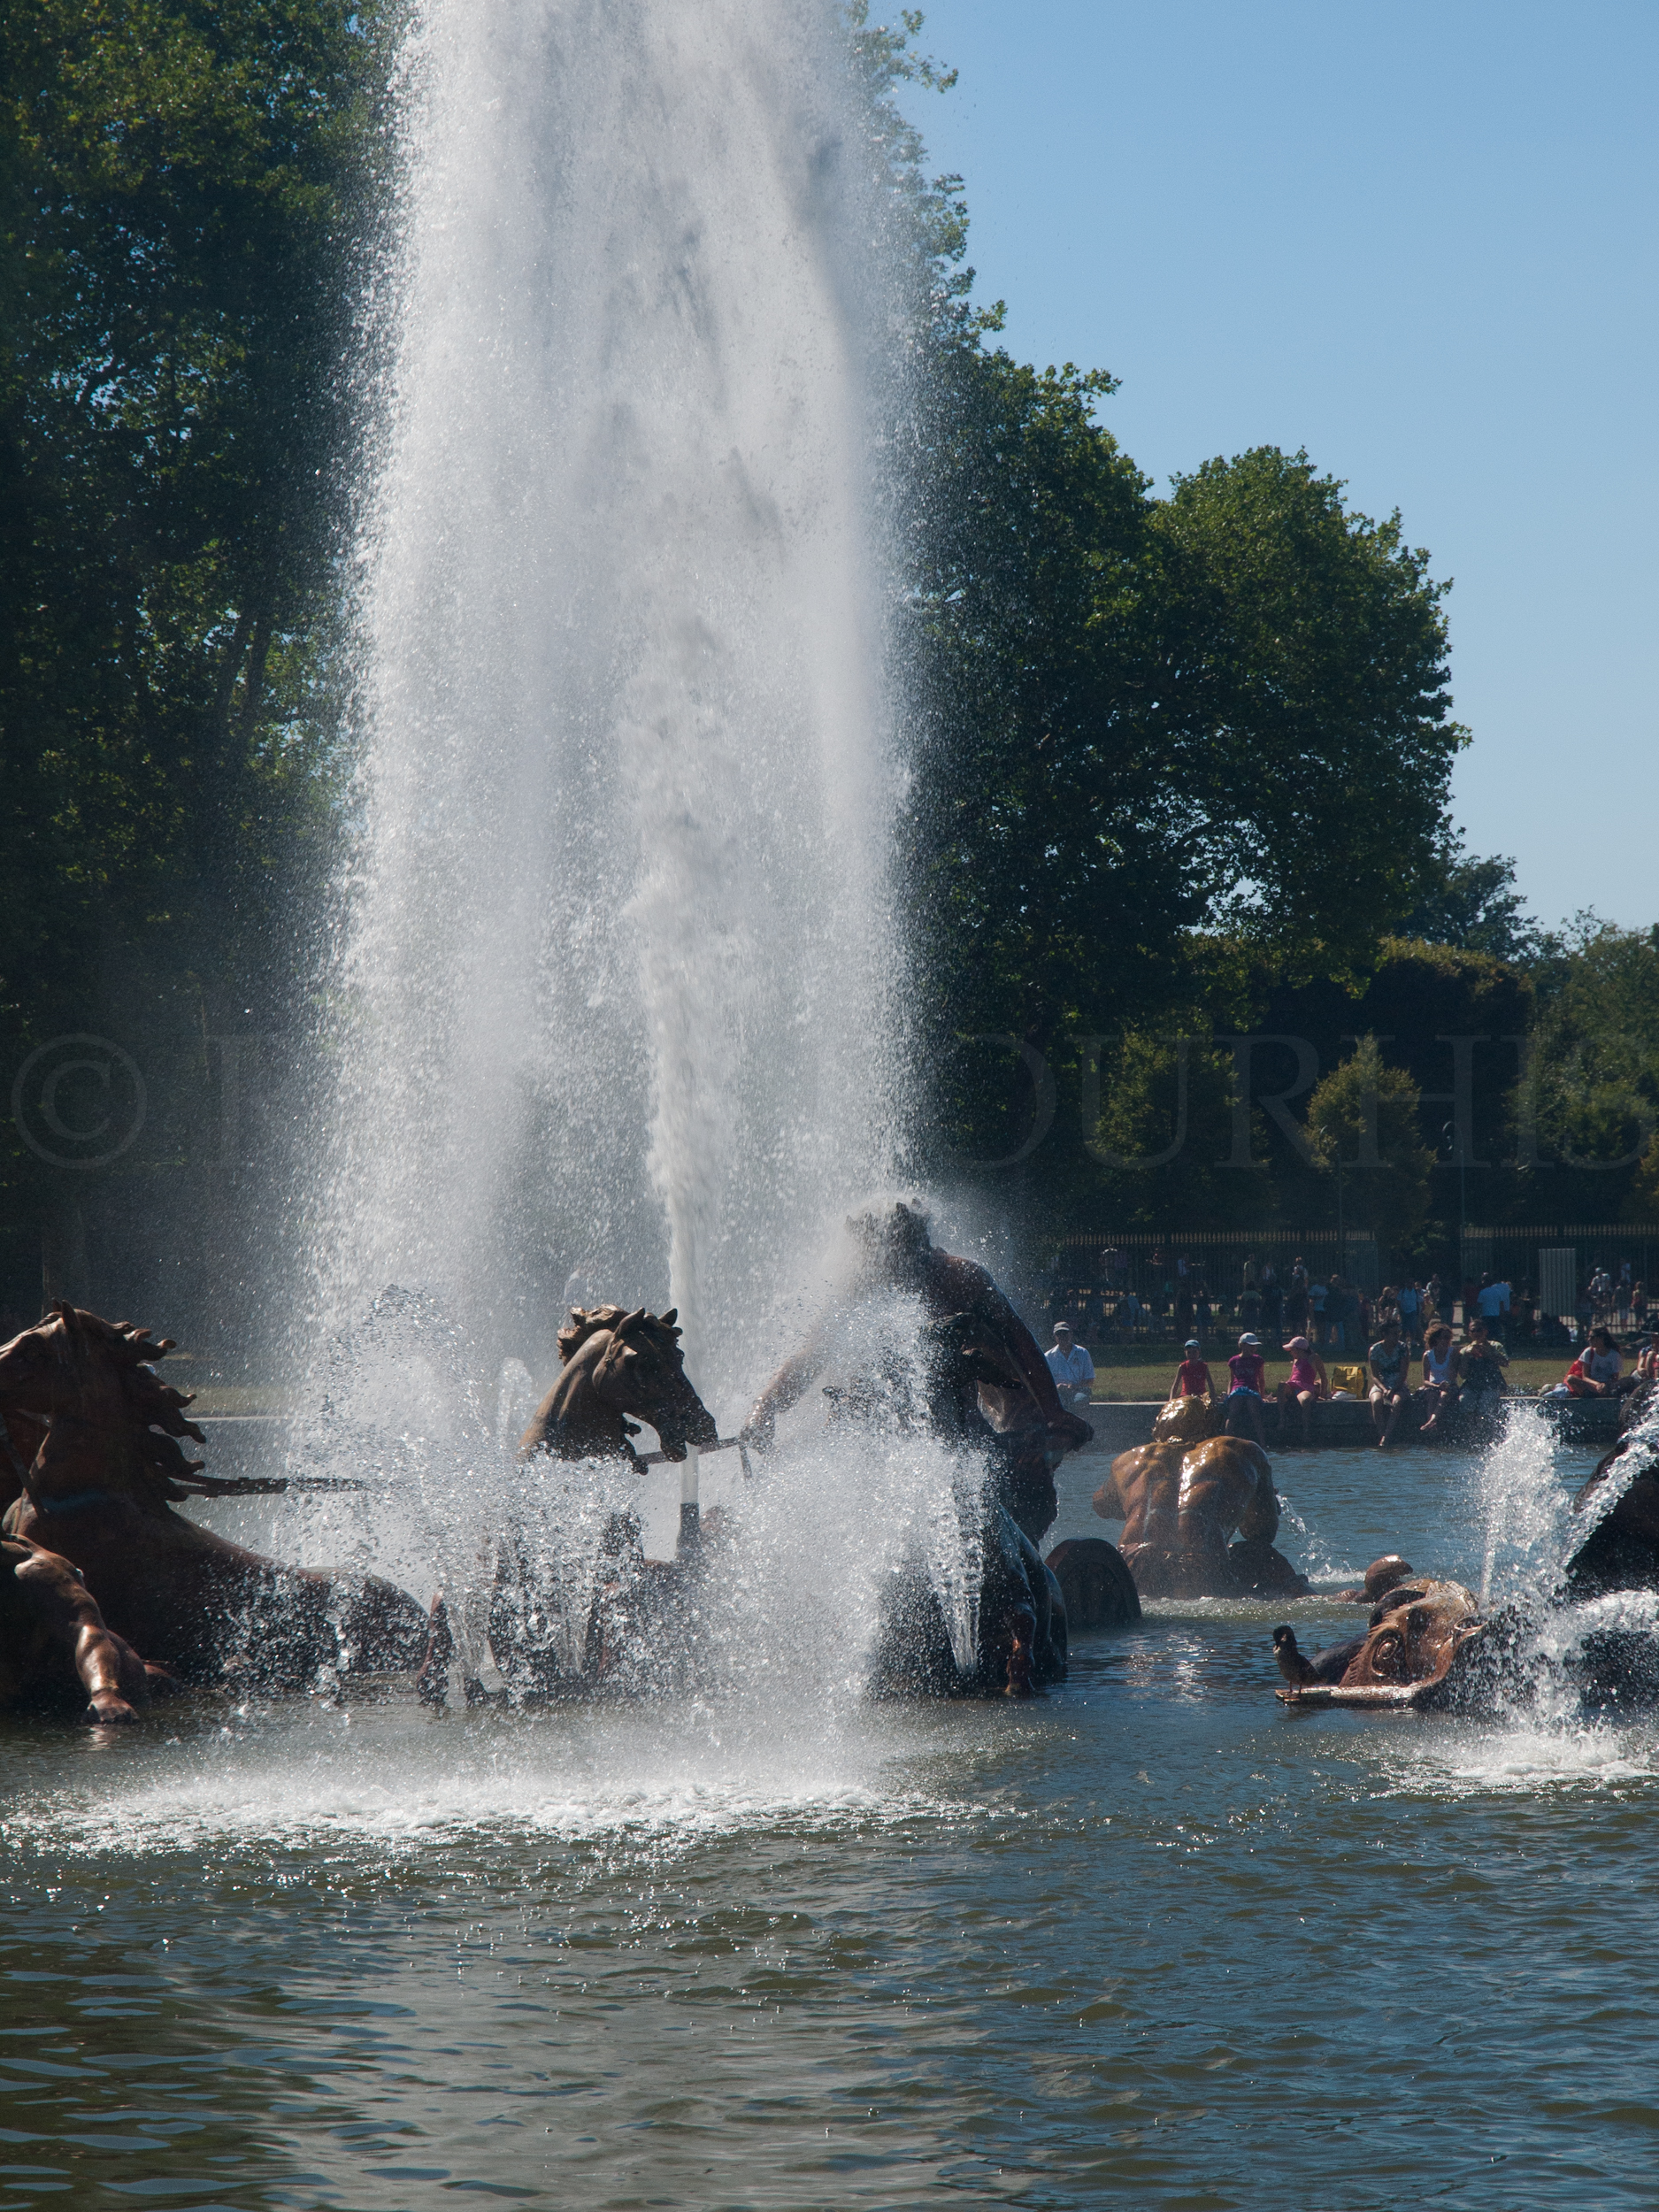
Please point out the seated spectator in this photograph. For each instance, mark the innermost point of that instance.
(1308, 1383)
(1247, 1392)
(1192, 1378)
(1073, 1369)
(1390, 1381)
(1647, 1362)
(1484, 1361)
(1442, 1374)
(1596, 1371)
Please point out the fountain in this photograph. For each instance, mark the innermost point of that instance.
(614, 957)
(614, 966)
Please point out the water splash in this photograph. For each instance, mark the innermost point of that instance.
(1314, 1554)
(616, 951)
(1525, 1510)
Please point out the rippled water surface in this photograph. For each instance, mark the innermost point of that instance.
(1153, 1941)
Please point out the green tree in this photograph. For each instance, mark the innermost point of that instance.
(1158, 1121)
(1474, 906)
(181, 183)
(183, 190)
(1143, 721)
(1324, 760)
(1589, 1111)
(1362, 1126)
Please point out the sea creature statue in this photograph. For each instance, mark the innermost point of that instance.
(93, 1442)
(56, 1648)
(1181, 1503)
(614, 1365)
(1415, 1650)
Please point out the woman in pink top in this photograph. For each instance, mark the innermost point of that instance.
(1307, 1385)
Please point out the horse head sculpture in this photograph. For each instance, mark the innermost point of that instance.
(88, 1418)
(617, 1365)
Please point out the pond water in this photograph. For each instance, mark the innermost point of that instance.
(1153, 1941)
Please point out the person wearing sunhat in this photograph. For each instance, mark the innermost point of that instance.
(1308, 1383)
(1073, 1369)
(1192, 1378)
(1247, 1392)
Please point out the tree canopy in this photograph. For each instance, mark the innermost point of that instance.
(182, 187)
(1179, 759)
(1145, 717)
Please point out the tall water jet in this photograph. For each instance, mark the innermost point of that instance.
(614, 958)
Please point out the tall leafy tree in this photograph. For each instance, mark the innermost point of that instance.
(1363, 1127)
(1474, 905)
(1588, 1112)
(182, 187)
(181, 200)
(1145, 719)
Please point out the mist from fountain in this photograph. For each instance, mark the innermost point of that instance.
(615, 973)
(615, 961)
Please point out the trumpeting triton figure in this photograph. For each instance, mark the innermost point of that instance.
(974, 1376)
(988, 1383)
(1181, 1503)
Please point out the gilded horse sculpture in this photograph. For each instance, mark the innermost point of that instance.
(94, 1439)
(614, 1364)
(616, 1367)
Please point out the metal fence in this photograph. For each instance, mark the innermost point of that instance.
(1140, 1287)
(1576, 1275)
(1137, 1289)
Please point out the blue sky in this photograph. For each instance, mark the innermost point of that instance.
(1419, 240)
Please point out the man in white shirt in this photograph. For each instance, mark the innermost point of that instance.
(1073, 1369)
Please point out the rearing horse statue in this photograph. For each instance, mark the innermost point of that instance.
(614, 1364)
(93, 1439)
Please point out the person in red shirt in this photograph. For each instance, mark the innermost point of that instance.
(1246, 1389)
(1192, 1379)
